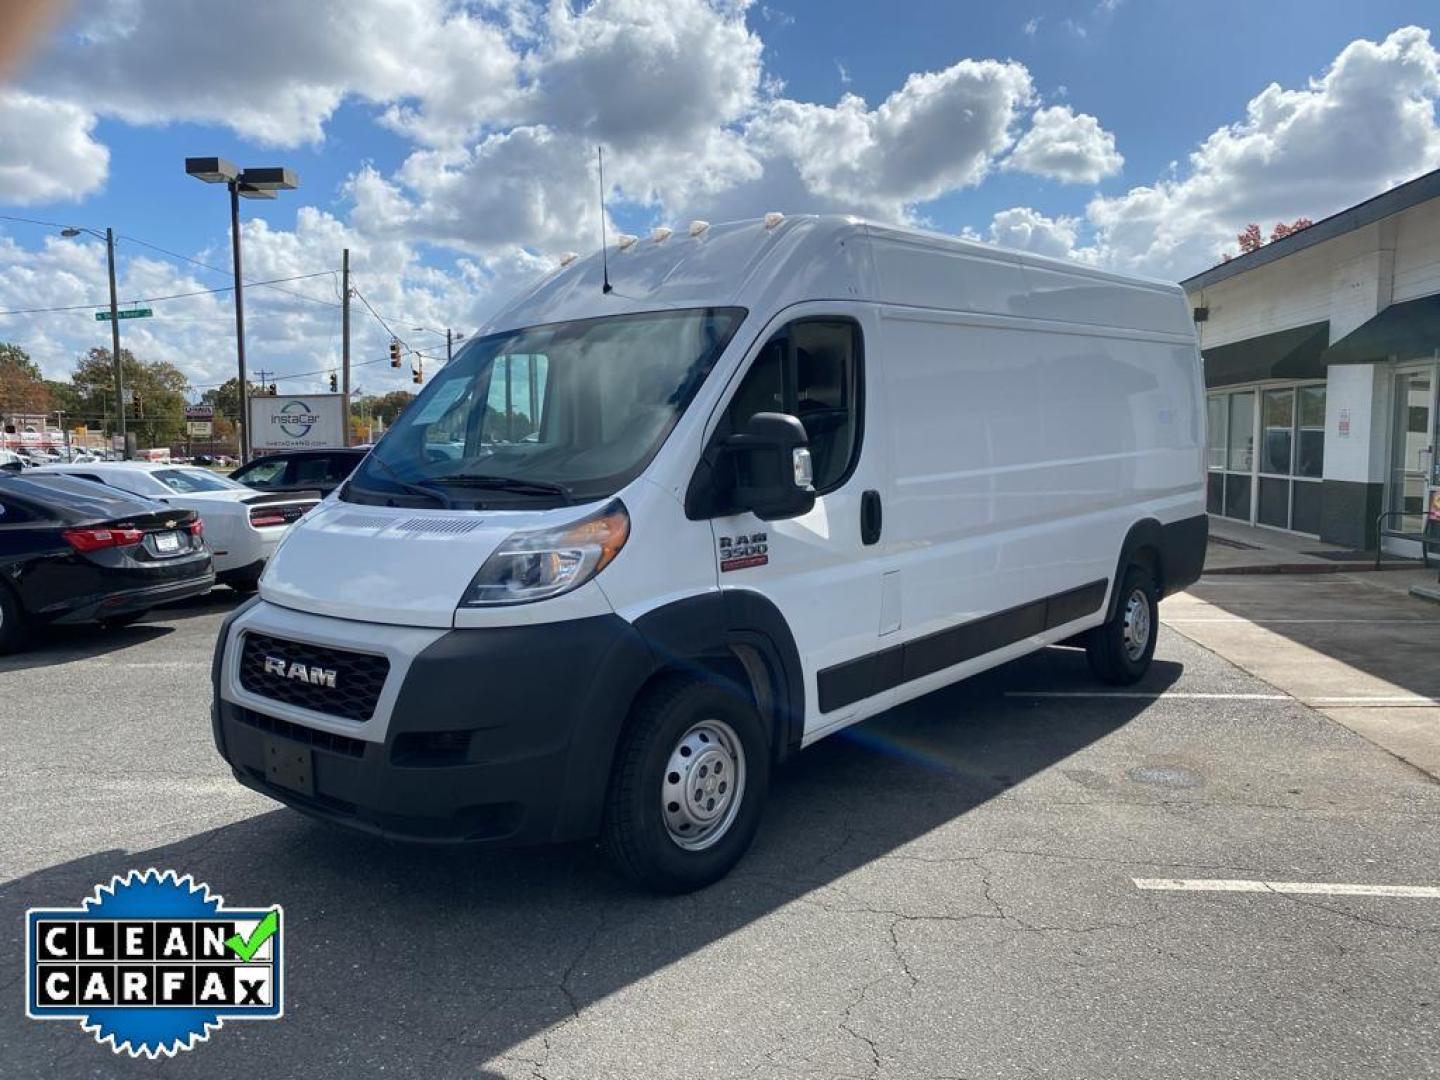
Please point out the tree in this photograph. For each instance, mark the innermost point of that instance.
(22, 390)
(158, 415)
(1251, 239)
(385, 407)
(1282, 230)
(225, 398)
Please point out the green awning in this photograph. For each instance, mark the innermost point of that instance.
(1404, 331)
(1285, 354)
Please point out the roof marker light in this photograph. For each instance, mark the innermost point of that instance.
(698, 226)
(625, 241)
(568, 257)
(773, 218)
(661, 234)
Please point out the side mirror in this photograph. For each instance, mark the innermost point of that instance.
(772, 469)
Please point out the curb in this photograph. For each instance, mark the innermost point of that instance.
(1310, 568)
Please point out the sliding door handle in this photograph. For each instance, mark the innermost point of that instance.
(870, 518)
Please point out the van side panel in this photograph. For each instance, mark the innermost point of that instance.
(1021, 456)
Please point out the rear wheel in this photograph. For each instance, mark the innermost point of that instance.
(1120, 651)
(12, 621)
(690, 780)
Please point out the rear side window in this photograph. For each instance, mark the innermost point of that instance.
(812, 370)
(14, 512)
(264, 474)
(315, 470)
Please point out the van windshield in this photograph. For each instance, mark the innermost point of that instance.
(562, 413)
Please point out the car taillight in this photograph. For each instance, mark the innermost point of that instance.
(262, 519)
(196, 528)
(96, 539)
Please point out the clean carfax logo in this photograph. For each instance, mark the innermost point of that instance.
(295, 419)
(153, 962)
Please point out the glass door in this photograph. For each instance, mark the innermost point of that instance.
(1412, 455)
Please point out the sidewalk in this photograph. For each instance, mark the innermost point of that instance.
(1354, 645)
(1237, 548)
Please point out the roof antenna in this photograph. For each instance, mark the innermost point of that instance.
(604, 258)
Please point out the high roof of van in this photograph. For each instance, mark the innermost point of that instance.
(766, 265)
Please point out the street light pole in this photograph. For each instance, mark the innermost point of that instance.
(240, 322)
(253, 184)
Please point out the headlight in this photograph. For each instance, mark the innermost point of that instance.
(547, 562)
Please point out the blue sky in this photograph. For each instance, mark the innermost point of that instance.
(450, 145)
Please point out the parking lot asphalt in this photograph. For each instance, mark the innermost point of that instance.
(945, 891)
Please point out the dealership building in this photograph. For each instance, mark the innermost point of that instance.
(1322, 365)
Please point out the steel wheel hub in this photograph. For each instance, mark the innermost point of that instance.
(1137, 624)
(703, 784)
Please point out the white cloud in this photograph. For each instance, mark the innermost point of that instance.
(1032, 25)
(47, 150)
(1066, 145)
(939, 132)
(1365, 125)
(1029, 230)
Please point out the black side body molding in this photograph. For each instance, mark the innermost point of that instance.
(844, 684)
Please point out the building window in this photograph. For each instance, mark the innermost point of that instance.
(1266, 454)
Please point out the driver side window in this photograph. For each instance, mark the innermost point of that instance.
(810, 370)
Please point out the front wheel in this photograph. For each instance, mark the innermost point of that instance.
(1120, 651)
(689, 783)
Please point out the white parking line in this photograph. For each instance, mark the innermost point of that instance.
(1308, 888)
(1374, 700)
(1301, 622)
(1144, 696)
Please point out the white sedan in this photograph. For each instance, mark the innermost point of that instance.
(243, 526)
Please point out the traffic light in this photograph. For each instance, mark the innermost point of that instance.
(394, 352)
(333, 384)
(272, 390)
(416, 375)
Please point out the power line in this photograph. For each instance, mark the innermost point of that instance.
(227, 273)
(158, 299)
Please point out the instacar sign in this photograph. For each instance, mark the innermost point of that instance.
(297, 422)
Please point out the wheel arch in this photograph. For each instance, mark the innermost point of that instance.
(1144, 543)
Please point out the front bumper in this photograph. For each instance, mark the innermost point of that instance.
(500, 734)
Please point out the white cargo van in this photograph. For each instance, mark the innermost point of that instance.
(649, 534)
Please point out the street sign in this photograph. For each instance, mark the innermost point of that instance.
(199, 412)
(200, 428)
(127, 396)
(128, 313)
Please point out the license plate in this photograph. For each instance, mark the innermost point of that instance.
(167, 543)
(289, 765)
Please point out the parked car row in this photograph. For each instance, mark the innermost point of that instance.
(105, 541)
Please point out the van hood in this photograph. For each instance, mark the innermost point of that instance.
(391, 564)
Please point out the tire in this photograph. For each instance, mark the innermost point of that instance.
(688, 786)
(1120, 651)
(130, 618)
(12, 621)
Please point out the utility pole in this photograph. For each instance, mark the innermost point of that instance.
(449, 341)
(115, 345)
(345, 340)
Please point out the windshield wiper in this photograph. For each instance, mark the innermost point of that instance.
(417, 489)
(506, 483)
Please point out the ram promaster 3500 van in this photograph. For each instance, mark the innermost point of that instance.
(656, 528)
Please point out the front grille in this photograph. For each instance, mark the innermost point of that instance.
(359, 677)
(312, 737)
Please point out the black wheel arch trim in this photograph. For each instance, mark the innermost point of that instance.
(1179, 550)
(687, 631)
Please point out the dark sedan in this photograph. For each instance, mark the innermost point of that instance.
(300, 470)
(73, 551)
